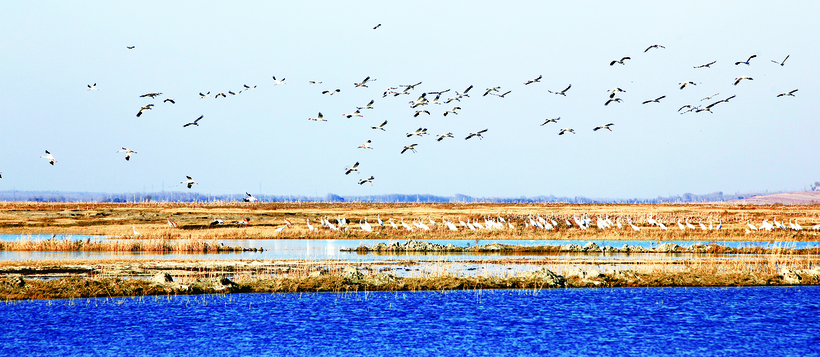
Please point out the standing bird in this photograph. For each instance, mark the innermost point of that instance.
(195, 122)
(651, 47)
(566, 130)
(783, 62)
(737, 80)
(355, 167)
(127, 152)
(563, 92)
(92, 86)
(171, 223)
(49, 157)
(477, 134)
(621, 61)
(607, 127)
(249, 197)
(536, 80)
(553, 120)
(190, 182)
(380, 127)
(320, 117)
(411, 147)
(746, 62)
(787, 94)
(656, 100)
(708, 65)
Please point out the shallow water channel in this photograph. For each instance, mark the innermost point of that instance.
(323, 249)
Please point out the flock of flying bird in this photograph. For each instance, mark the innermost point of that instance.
(441, 97)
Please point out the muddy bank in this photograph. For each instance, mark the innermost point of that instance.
(351, 279)
(590, 247)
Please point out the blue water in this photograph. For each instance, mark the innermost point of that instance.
(775, 321)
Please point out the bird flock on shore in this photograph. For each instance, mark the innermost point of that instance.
(423, 104)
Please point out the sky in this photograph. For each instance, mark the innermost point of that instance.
(262, 142)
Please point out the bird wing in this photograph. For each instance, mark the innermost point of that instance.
(568, 87)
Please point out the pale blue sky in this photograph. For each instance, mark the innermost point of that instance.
(262, 138)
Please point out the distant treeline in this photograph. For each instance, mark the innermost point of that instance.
(55, 196)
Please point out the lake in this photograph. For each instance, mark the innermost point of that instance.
(570, 322)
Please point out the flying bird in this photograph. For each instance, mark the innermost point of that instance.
(147, 107)
(354, 114)
(419, 112)
(277, 82)
(453, 111)
(418, 132)
(331, 92)
(613, 100)
(195, 122)
(380, 127)
(130, 47)
(319, 117)
(49, 157)
(364, 181)
(222, 94)
(607, 127)
(684, 84)
(651, 47)
(249, 197)
(709, 97)
(204, 95)
(441, 137)
(190, 182)
(787, 94)
(566, 130)
(502, 95)
(477, 134)
(621, 61)
(563, 92)
(169, 100)
(377, 26)
(355, 167)
(490, 90)
(737, 80)
(313, 82)
(656, 100)
(368, 106)
(366, 145)
(152, 95)
(706, 65)
(127, 152)
(552, 120)
(411, 147)
(92, 86)
(536, 80)
(614, 91)
(783, 62)
(364, 82)
(247, 87)
(746, 62)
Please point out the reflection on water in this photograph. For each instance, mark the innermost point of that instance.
(321, 249)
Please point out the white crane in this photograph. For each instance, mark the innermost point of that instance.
(319, 117)
(127, 152)
(189, 182)
(171, 223)
(49, 157)
(249, 197)
(311, 228)
(195, 122)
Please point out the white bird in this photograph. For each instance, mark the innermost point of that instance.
(453, 111)
(751, 226)
(195, 122)
(171, 223)
(92, 86)
(702, 226)
(189, 182)
(621, 61)
(152, 95)
(204, 95)
(787, 94)
(314, 82)
(49, 157)
(365, 226)
(706, 65)
(311, 228)
(127, 152)
(319, 117)
(366, 145)
(355, 167)
(147, 107)
(363, 181)
(746, 62)
(393, 224)
(614, 91)
(277, 82)
(249, 198)
(363, 83)
(406, 226)
(418, 112)
(617, 100)
(738, 79)
(689, 225)
(606, 126)
(563, 92)
(566, 130)
(380, 127)
(136, 234)
(783, 62)
(477, 134)
(331, 92)
(536, 80)
(656, 100)
(681, 226)
(411, 147)
(368, 106)
(684, 84)
(552, 120)
(651, 47)
(354, 114)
